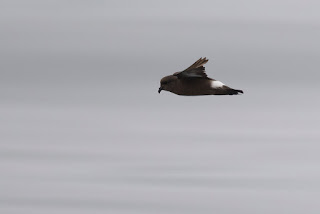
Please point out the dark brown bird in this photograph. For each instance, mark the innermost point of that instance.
(193, 81)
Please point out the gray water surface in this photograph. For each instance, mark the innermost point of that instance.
(83, 129)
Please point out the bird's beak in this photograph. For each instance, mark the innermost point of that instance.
(160, 89)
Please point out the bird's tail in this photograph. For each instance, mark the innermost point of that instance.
(225, 90)
(232, 91)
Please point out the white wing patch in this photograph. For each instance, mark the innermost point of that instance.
(216, 84)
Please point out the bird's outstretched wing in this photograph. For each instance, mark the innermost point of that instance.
(196, 70)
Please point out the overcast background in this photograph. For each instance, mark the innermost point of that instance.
(83, 129)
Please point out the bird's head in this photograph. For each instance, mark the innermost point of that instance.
(167, 83)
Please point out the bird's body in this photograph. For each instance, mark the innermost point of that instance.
(193, 81)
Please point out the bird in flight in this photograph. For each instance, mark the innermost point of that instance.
(194, 81)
